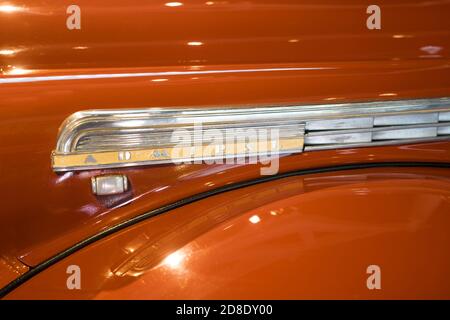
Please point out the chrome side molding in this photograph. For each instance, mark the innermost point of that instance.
(381, 130)
(95, 139)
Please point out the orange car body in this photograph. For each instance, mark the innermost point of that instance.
(309, 232)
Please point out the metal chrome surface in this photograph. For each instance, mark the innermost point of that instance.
(80, 123)
(109, 184)
(122, 138)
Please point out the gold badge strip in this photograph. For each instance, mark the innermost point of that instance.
(111, 159)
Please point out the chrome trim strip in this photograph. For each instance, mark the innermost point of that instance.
(121, 119)
(125, 132)
(375, 129)
(373, 144)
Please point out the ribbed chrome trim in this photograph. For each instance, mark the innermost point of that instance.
(373, 144)
(119, 137)
(385, 130)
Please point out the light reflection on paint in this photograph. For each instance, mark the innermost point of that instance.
(401, 36)
(7, 52)
(159, 189)
(361, 191)
(151, 74)
(80, 48)
(227, 227)
(160, 80)
(64, 177)
(195, 43)
(343, 151)
(173, 4)
(130, 249)
(254, 219)
(174, 260)
(89, 209)
(196, 67)
(387, 94)
(431, 50)
(17, 71)
(6, 8)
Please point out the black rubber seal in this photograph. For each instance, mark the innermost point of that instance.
(104, 233)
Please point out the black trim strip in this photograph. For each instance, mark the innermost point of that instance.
(60, 256)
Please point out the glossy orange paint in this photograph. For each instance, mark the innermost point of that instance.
(140, 33)
(273, 52)
(310, 236)
(10, 269)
